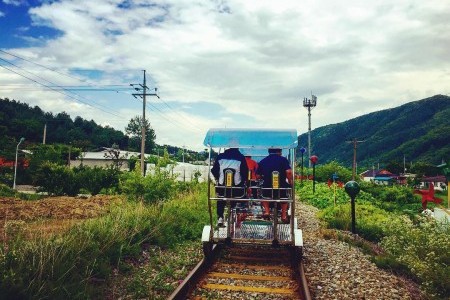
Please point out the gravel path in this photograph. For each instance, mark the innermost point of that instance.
(336, 270)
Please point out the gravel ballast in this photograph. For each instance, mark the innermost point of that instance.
(337, 270)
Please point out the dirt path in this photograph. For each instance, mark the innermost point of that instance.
(48, 215)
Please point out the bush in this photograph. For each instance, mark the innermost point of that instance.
(370, 220)
(158, 185)
(56, 180)
(6, 191)
(95, 179)
(423, 249)
(392, 198)
(326, 171)
(324, 195)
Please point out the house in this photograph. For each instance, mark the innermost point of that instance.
(439, 182)
(383, 177)
(105, 158)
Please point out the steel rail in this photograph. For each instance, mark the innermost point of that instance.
(304, 288)
(194, 276)
(205, 266)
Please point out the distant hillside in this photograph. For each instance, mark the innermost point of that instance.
(418, 130)
(19, 119)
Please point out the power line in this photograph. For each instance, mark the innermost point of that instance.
(42, 66)
(56, 90)
(45, 67)
(182, 116)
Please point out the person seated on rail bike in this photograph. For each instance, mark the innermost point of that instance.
(231, 162)
(252, 167)
(274, 162)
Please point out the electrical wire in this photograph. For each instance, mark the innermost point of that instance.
(58, 91)
(93, 88)
(182, 116)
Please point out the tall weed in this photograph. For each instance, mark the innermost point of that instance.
(69, 265)
(370, 220)
(423, 249)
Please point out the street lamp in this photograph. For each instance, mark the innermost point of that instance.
(15, 165)
(302, 150)
(314, 159)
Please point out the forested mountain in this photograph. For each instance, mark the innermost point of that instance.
(21, 120)
(418, 131)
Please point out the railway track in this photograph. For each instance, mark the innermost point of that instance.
(246, 272)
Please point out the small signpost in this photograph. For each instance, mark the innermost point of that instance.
(352, 188)
(314, 159)
(446, 171)
(302, 150)
(335, 177)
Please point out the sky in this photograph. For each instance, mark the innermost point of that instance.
(219, 63)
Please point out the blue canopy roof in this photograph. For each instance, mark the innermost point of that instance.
(251, 138)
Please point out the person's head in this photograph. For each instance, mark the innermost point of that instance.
(275, 151)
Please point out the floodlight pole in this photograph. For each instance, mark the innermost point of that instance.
(309, 104)
(15, 165)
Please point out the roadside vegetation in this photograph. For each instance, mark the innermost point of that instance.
(156, 213)
(389, 217)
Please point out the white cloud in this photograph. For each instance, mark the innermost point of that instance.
(255, 59)
(15, 2)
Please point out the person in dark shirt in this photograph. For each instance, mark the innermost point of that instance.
(229, 159)
(275, 162)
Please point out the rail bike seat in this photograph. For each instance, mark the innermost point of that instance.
(275, 192)
(229, 189)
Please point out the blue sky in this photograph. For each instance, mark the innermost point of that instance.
(222, 63)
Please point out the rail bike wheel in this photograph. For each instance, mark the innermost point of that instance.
(207, 249)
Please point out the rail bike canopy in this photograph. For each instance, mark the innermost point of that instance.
(258, 154)
(258, 138)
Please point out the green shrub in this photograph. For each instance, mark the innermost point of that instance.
(158, 185)
(393, 198)
(423, 249)
(6, 175)
(370, 220)
(324, 195)
(6, 191)
(95, 179)
(56, 179)
(326, 171)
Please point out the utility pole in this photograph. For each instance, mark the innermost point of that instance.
(45, 134)
(142, 92)
(309, 104)
(355, 145)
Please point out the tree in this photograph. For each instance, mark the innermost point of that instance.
(134, 130)
(326, 171)
(114, 154)
(394, 167)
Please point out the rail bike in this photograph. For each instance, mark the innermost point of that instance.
(246, 221)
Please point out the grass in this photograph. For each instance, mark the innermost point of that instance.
(73, 263)
(158, 273)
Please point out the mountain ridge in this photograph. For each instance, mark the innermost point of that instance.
(418, 130)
